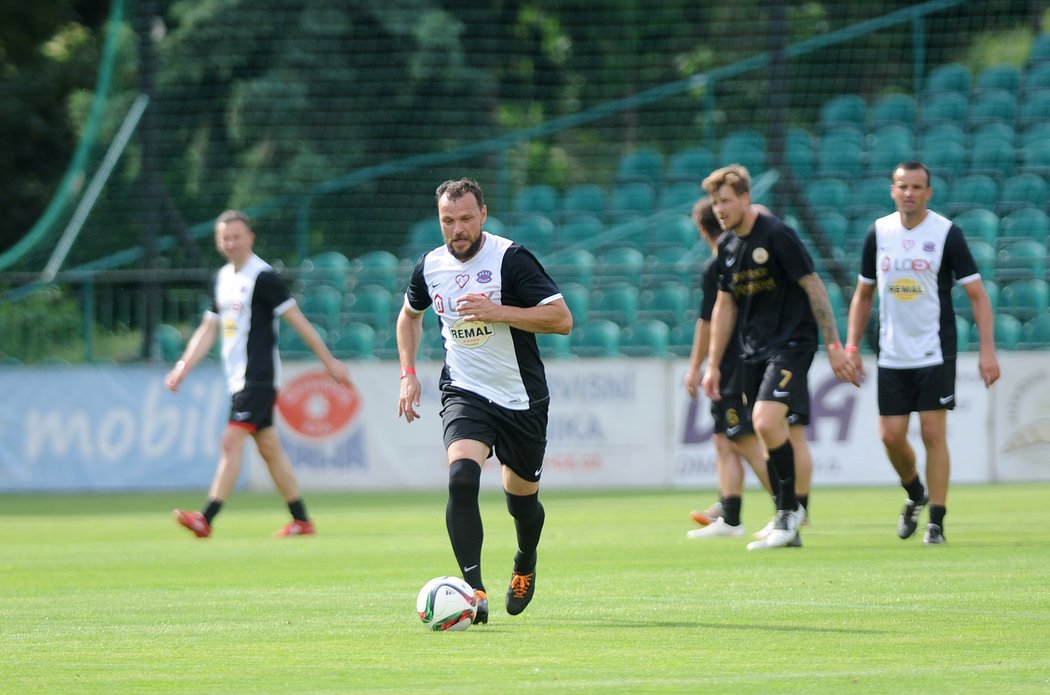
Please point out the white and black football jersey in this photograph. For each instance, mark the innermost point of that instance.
(913, 270)
(492, 360)
(248, 303)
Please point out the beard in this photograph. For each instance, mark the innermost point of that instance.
(469, 253)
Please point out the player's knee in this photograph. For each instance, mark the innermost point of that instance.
(464, 477)
(523, 506)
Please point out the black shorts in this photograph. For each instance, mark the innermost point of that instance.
(731, 416)
(518, 437)
(783, 378)
(904, 391)
(252, 407)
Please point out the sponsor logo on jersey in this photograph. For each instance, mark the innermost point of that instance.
(905, 290)
(485, 276)
(908, 244)
(462, 279)
(760, 255)
(471, 334)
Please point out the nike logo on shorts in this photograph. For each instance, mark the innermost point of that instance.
(945, 400)
(242, 415)
(777, 393)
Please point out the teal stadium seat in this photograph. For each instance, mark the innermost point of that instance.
(554, 345)
(979, 224)
(1002, 76)
(574, 265)
(1025, 223)
(615, 302)
(599, 338)
(994, 158)
(962, 334)
(677, 231)
(328, 268)
(943, 132)
(1040, 51)
(1033, 133)
(985, 257)
(1037, 77)
(578, 298)
(1008, 333)
(292, 344)
(1021, 260)
(994, 130)
(535, 232)
(579, 230)
(944, 107)
(1025, 190)
(944, 159)
(168, 342)
(647, 338)
(356, 341)
(994, 105)
(843, 109)
(893, 109)
(378, 268)
(323, 305)
(423, 236)
(971, 191)
(1035, 108)
(617, 264)
(628, 199)
(744, 137)
(1035, 158)
(749, 156)
(587, 198)
(800, 153)
(834, 227)
(1025, 299)
(871, 198)
(889, 146)
(672, 264)
(670, 302)
(950, 77)
(1036, 333)
(680, 195)
(828, 193)
(536, 199)
(373, 305)
(691, 165)
(644, 165)
(840, 153)
(680, 339)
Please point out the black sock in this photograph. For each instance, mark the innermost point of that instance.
(211, 510)
(937, 513)
(298, 510)
(774, 483)
(914, 489)
(783, 462)
(463, 518)
(731, 510)
(804, 501)
(528, 516)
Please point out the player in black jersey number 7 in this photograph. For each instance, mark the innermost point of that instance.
(491, 296)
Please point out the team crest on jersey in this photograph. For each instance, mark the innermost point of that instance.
(905, 290)
(471, 334)
(908, 244)
(929, 246)
(485, 276)
(760, 255)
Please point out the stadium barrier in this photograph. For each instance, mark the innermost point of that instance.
(614, 423)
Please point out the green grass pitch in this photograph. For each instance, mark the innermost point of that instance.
(104, 593)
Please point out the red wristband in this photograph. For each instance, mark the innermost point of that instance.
(852, 348)
(830, 346)
(406, 371)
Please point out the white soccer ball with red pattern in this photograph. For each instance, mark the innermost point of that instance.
(446, 603)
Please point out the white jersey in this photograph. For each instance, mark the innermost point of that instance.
(914, 270)
(248, 303)
(491, 360)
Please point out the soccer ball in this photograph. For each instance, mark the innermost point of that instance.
(446, 603)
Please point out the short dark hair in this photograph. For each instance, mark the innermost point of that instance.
(234, 216)
(913, 165)
(704, 217)
(457, 188)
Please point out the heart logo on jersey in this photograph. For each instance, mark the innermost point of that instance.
(462, 280)
(908, 244)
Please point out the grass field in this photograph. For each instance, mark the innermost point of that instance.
(103, 593)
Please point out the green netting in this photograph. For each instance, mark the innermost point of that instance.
(587, 123)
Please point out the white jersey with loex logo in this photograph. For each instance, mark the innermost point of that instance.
(914, 270)
(492, 360)
(247, 304)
